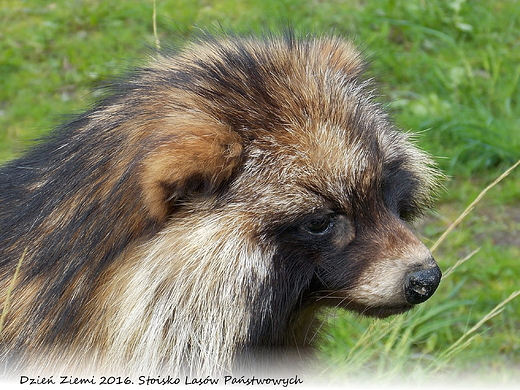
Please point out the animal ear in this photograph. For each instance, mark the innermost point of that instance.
(194, 156)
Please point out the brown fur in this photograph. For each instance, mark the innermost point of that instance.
(202, 213)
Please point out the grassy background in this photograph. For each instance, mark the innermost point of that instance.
(450, 69)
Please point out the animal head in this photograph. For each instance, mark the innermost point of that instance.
(283, 146)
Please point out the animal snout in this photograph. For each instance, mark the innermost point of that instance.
(421, 284)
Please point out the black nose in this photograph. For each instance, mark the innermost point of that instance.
(420, 285)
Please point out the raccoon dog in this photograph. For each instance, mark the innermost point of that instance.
(200, 214)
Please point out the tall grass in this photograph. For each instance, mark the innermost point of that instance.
(472, 205)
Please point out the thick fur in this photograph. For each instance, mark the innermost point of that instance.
(200, 214)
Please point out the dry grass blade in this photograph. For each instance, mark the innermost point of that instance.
(7, 301)
(154, 21)
(462, 341)
(470, 207)
(463, 260)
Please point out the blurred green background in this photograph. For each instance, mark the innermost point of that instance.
(449, 71)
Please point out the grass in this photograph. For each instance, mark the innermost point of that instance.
(448, 67)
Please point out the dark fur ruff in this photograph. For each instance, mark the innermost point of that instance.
(206, 208)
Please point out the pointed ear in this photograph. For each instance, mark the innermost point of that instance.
(190, 156)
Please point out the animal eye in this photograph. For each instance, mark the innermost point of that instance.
(319, 225)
